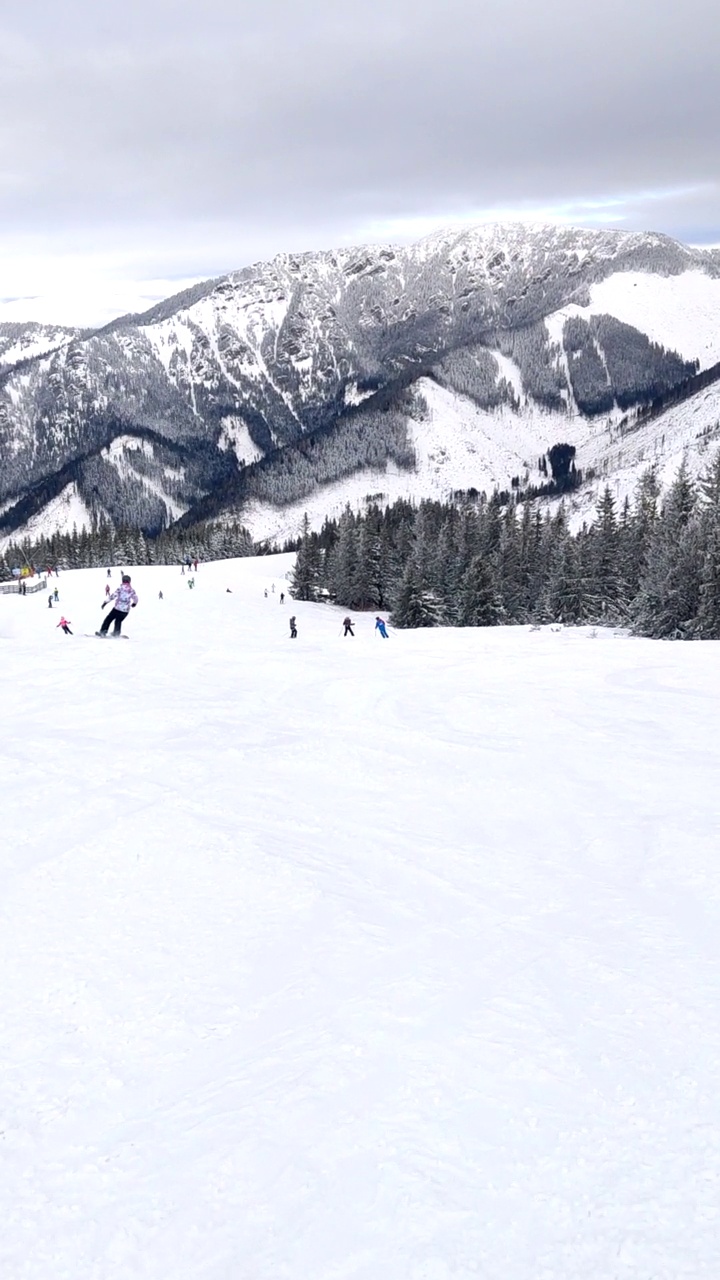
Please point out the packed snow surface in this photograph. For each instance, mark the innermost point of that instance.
(353, 958)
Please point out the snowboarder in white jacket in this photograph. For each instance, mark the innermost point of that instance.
(122, 600)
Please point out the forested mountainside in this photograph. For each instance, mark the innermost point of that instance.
(23, 341)
(453, 363)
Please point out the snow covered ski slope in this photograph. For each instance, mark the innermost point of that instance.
(351, 959)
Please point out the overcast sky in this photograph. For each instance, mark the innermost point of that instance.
(148, 143)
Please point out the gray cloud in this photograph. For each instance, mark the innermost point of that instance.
(265, 125)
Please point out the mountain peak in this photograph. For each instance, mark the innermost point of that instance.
(265, 385)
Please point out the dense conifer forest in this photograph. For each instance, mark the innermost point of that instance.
(651, 566)
(104, 546)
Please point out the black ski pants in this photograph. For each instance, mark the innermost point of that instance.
(118, 617)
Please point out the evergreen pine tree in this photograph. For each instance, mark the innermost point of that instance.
(606, 586)
(416, 605)
(481, 606)
(668, 599)
(708, 618)
(306, 574)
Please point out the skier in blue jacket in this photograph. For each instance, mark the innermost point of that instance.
(122, 600)
(380, 626)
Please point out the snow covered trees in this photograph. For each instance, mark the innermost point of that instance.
(654, 568)
(103, 545)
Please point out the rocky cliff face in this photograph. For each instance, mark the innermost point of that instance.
(264, 385)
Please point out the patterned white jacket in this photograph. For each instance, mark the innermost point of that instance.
(123, 598)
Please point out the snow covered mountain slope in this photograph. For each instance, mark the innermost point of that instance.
(255, 391)
(20, 342)
(359, 959)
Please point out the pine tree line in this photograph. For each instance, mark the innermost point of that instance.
(103, 545)
(653, 567)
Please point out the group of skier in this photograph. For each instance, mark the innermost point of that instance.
(380, 627)
(348, 624)
(125, 598)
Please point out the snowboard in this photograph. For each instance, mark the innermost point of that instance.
(92, 635)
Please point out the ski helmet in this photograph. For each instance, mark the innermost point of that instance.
(126, 577)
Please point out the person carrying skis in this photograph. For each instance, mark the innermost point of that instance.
(123, 600)
(380, 626)
(293, 628)
(65, 626)
(348, 625)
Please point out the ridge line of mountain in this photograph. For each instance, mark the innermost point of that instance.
(450, 363)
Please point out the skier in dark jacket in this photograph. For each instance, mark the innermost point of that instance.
(348, 625)
(293, 628)
(123, 600)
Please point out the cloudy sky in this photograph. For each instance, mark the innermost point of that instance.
(148, 143)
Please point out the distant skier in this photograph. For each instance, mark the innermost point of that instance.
(293, 628)
(282, 597)
(65, 626)
(266, 593)
(124, 600)
(56, 596)
(160, 595)
(191, 583)
(195, 564)
(273, 588)
(50, 602)
(109, 573)
(348, 625)
(381, 627)
(182, 570)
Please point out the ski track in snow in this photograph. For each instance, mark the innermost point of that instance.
(339, 959)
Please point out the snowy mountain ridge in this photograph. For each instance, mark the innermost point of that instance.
(293, 384)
